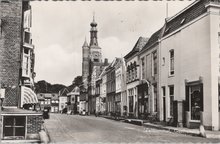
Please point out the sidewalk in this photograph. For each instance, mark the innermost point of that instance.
(181, 130)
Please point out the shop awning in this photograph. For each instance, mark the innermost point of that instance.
(28, 96)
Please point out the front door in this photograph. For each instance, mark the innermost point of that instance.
(14, 127)
(196, 102)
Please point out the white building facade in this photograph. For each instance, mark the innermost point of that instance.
(190, 65)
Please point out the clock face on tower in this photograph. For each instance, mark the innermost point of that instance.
(96, 54)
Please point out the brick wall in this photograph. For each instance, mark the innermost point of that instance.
(34, 123)
(10, 45)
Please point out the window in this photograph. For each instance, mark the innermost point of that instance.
(171, 62)
(130, 96)
(27, 37)
(219, 98)
(142, 66)
(154, 63)
(14, 127)
(26, 62)
(155, 98)
(47, 101)
(135, 73)
(171, 94)
(219, 51)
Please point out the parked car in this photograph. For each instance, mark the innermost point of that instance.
(83, 112)
(69, 112)
(64, 111)
(46, 114)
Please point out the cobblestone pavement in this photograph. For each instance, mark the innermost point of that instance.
(64, 128)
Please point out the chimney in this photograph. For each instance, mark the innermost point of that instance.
(106, 62)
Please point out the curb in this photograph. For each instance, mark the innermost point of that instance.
(171, 130)
(149, 125)
(47, 133)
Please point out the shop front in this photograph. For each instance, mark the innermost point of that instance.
(143, 101)
(21, 124)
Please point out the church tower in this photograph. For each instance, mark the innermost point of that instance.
(85, 63)
(95, 50)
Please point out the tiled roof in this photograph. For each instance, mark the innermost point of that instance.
(55, 97)
(138, 46)
(154, 38)
(191, 13)
(64, 92)
(40, 97)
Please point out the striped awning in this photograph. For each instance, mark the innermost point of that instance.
(28, 96)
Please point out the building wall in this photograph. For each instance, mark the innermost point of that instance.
(215, 66)
(10, 46)
(85, 63)
(132, 85)
(147, 73)
(34, 123)
(62, 102)
(194, 55)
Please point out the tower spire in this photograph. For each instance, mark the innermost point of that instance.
(93, 32)
(85, 43)
(93, 16)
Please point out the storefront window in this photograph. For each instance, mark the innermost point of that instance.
(195, 106)
(14, 127)
(130, 103)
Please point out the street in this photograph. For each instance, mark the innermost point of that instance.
(64, 128)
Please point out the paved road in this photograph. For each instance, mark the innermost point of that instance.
(89, 129)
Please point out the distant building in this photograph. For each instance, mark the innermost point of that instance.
(63, 99)
(120, 83)
(49, 101)
(148, 94)
(92, 66)
(55, 103)
(133, 76)
(73, 101)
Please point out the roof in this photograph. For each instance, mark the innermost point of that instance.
(63, 92)
(40, 97)
(190, 13)
(85, 44)
(154, 38)
(138, 46)
(75, 91)
(17, 111)
(46, 95)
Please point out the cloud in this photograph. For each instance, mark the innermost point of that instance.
(60, 27)
(56, 65)
(113, 47)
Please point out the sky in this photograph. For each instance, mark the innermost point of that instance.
(59, 29)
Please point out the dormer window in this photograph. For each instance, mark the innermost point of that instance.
(167, 30)
(183, 20)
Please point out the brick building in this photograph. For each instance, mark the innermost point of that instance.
(17, 72)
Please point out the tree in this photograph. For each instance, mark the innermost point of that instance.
(77, 81)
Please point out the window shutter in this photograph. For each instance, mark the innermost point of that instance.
(187, 99)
